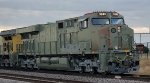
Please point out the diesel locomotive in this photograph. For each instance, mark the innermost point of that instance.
(95, 42)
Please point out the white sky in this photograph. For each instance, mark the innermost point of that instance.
(20, 13)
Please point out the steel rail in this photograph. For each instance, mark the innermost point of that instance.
(34, 79)
(137, 77)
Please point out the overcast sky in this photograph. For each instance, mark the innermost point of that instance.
(20, 13)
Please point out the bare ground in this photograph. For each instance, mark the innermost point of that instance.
(144, 65)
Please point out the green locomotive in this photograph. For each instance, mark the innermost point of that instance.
(95, 42)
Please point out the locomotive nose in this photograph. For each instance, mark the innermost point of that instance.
(121, 37)
(110, 34)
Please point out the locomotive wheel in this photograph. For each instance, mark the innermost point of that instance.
(3, 64)
(32, 67)
(94, 70)
(106, 73)
(82, 70)
(8, 64)
(38, 68)
(26, 67)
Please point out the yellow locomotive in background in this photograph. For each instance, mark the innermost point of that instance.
(95, 42)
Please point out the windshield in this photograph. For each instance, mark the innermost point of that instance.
(100, 21)
(117, 21)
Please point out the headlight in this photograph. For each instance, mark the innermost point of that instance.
(115, 14)
(134, 46)
(119, 29)
(102, 14)
(130, 53)
(116, 47)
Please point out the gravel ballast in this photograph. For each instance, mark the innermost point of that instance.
(71, 77)
(11, 81)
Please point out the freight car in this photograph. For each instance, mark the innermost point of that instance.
(95, 42)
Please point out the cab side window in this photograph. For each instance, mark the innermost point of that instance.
(60, 25)
(69, 23)
(83, 24)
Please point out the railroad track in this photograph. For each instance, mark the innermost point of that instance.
(144, 78)
(34, 79)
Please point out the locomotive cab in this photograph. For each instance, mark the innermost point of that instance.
(105, 29)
